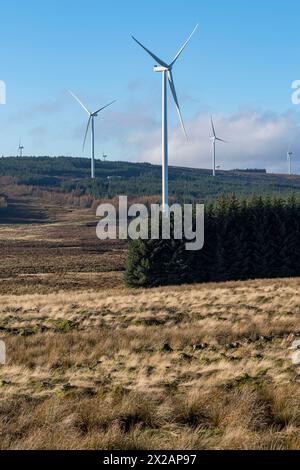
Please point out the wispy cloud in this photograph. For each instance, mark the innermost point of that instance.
(44, 108)
(38, 131)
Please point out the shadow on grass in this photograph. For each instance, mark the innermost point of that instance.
(19, 211)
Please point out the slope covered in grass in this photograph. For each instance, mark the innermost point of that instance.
(190, 367)
(141, 179)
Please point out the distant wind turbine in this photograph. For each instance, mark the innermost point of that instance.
(166, 70)
(20, 149)
(91, 122)
(214, 138)
(289, 157)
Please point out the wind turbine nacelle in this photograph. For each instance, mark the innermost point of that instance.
(158, 68)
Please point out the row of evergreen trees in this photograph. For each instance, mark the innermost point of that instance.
(244, 239)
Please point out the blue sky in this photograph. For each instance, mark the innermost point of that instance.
(239, 66)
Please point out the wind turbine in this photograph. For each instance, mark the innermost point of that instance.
(91, 122)
(214, 139)
(166, 70)
(20, 149)
(289, 157)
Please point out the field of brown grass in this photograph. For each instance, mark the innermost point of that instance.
(46, 247)
(94, 365)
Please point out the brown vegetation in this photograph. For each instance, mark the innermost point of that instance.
(93, 365)
(191, 367)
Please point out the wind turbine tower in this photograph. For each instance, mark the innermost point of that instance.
(91, 123)
(166, 70)
(290, 156)
(20, 149)
(214, 139)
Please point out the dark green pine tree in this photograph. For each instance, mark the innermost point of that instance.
(236, 249)
(222, 271)
(275, 237)
(259, 220)
(291, 240)
(177, 266)
(137, 269)
(245, 242)
(202, 263)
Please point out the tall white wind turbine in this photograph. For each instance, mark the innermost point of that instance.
(167, 76)
(214, 139)
(20, 149)
(289, 157)
(92, 124)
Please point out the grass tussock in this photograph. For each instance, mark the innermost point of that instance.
(248, 418)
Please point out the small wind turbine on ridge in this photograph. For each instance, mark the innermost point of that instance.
(214, 139)
(20, 149)
(167, 76)
(92, 124)
(289, 157)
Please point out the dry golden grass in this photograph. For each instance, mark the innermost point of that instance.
(189, 367)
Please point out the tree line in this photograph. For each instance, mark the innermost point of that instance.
(244, 239)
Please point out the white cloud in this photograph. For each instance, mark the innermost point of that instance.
(255, 140)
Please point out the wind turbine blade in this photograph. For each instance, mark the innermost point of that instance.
(157, 59)
(86, 132)
(173, 90)
(221, 140)
(213, 126)
(104, 107)
(184, 45)
(80, 102)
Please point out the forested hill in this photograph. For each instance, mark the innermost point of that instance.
(142, 179)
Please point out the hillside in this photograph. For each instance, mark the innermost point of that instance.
(139, 179)
(92, 364)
